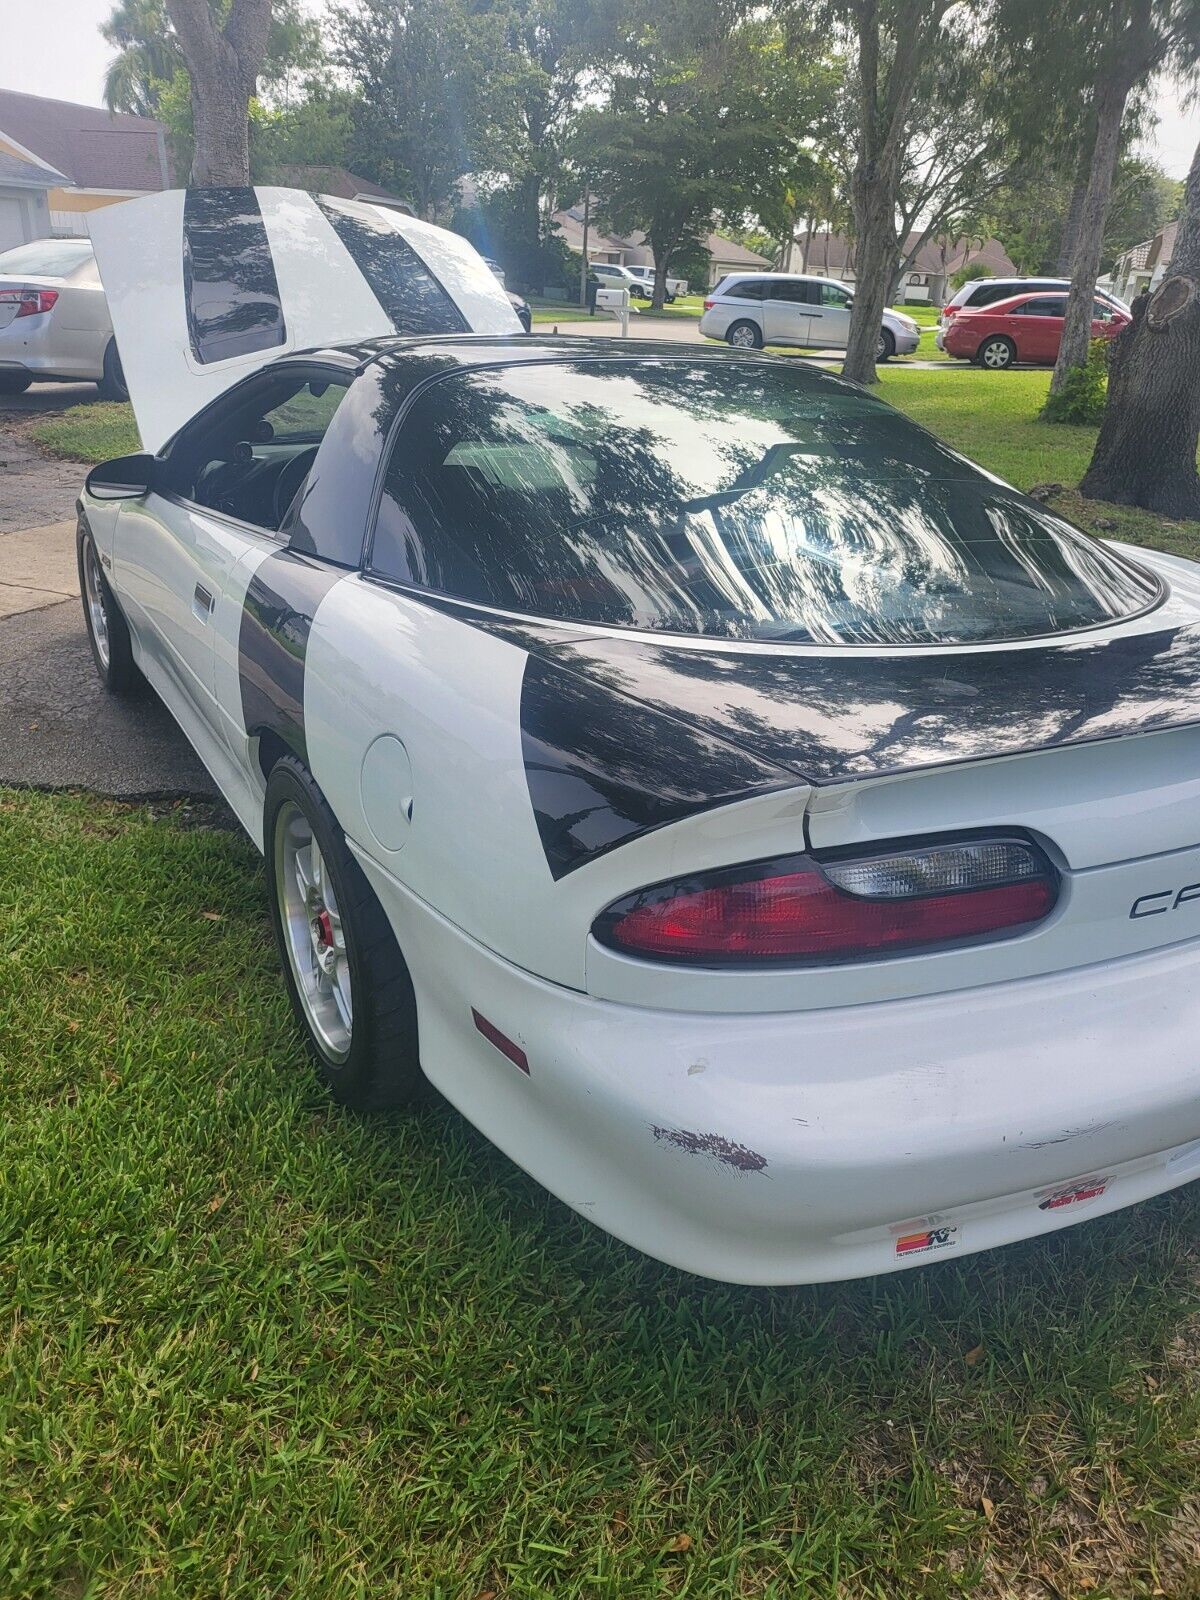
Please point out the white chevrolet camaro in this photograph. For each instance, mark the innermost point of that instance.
(779, 836)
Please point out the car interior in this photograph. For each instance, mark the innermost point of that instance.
(248, 456)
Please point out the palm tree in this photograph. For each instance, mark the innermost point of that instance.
(147, 56)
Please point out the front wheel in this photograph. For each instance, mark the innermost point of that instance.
(347, 981)
(745, 336)
(107, 630)
(997, 353)
(886, 347)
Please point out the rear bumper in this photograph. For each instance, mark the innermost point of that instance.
(803, 1147)
(27, 344)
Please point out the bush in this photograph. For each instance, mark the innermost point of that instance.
(968, 274)
(1083, 395)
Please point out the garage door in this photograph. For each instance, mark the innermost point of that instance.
(12, 223)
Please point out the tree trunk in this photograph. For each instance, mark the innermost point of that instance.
(874, 265)
(1146, 453)
(1070, 233)
(223, 66)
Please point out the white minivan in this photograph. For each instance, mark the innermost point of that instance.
(749, 310)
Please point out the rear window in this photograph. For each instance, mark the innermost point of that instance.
(729, 499)
(46, 258)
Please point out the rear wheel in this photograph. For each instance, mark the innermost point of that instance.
(107, 630)
(745, 336)
(996, 353)
(349, 987)
(885, 349)
(112, 384)
(14, 382)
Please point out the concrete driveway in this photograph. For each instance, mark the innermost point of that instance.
(58, 728)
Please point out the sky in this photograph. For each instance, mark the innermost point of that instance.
(67, 59)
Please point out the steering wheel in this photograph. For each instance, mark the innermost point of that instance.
(289, 483)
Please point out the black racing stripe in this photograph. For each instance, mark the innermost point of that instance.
(848, 714)
(602, 769)
(229, 284)
(276, 621)
(404, 286)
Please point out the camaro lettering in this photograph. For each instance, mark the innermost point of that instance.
(1153, 905)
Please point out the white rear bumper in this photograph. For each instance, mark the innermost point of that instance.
(801, 1147)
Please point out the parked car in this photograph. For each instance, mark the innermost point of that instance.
(777, 835)
(785, 308)
(982, 292)
(54, 323)
(612, 276)
(674, 286)
(1028, 328)
(519, 305)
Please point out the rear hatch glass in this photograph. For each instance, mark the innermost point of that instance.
(726, 499)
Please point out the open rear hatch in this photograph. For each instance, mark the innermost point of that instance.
(206, 285)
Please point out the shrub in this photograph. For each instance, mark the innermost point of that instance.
(1082, 396)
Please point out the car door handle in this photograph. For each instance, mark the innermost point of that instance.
(202, 603)
(816, 313)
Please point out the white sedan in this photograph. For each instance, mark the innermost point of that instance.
(780, 837)
(54, 323)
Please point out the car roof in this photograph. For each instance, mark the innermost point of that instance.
(409, 361)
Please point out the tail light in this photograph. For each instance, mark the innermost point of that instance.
(709, 304)
(849, 908)
(29, 302)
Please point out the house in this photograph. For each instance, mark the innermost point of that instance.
(85, 157)
(344, 185)
(927, 280)
(1145, 266)
(24, 199)
(724, 255)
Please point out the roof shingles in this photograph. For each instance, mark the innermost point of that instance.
(94, 148)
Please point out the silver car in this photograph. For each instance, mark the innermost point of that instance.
(54, 321)
(749, 310)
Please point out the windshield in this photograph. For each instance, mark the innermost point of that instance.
(725, 498)
(46, 258)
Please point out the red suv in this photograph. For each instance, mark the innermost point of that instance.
(1026, 328)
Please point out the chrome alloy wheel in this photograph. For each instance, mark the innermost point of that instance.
(997, 353)
(312, 932)
(743, 338)
(93, 585)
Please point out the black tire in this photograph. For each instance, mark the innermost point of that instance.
(886, 348)
(112, 653)
(990, 353)
(15, 382)
(382, 1066)
(112, 384)
(670, 299)
(744, 335)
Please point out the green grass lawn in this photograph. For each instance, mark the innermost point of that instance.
(257, 1347)
(95, 432)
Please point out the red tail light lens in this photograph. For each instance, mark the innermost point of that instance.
(29, 302)
(850, 909)
(709, 304)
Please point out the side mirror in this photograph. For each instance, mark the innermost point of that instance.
(850, 303)
(126, 478)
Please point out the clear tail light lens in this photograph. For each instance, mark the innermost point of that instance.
(29, 302)
(806, 912)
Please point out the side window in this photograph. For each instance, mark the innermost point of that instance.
(832, 294)
(248, 455)
(749, 289)
(794, 290)
(1046, 306)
